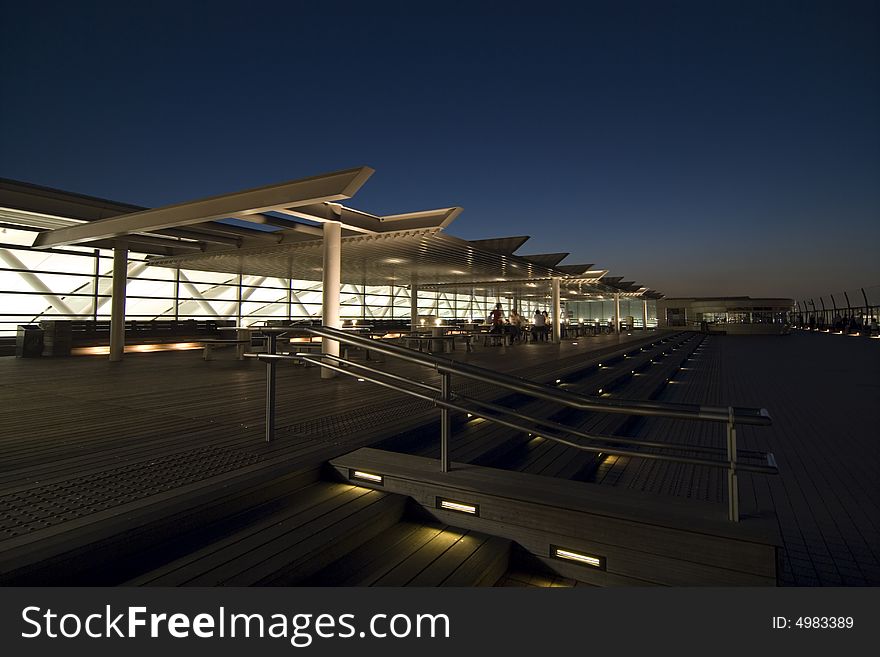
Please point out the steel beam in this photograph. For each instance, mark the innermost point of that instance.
(317, 189)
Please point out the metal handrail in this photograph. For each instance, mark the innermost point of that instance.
(754, 416)
(443, 397)
(316, 359)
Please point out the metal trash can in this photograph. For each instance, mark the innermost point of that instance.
(57, 337)
(28, 341)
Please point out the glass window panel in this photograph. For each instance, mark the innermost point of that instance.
(53, 262)
(11, 281)
(24, 304)
(138, 288)
(379, 301)
(198, 309)
(163, 273)
(267, 295)
(269, 310)
(208, 276)
(306, 297)
(299, 284)
(208, 291)
(307, 310)
(148, 308)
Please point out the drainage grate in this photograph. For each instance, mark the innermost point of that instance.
(52, 504)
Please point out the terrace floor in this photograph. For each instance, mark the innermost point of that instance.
(823, 393)
(81, 437)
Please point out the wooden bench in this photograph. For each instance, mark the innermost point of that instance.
(424, 342)
(63, 335)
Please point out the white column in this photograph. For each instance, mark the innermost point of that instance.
(414, 307)
(645, 313)
(556, 311)
(117, 309)
(617, 313)
(332, 275)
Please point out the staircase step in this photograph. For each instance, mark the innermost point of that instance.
(320, 523)
(420, 554)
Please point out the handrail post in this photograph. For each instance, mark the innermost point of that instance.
(271, 342)
(732, 486)
(445, 426)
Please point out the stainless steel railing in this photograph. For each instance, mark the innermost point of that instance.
(447, 401)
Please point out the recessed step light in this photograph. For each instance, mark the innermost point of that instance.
(361, 475)
(458, 506)
(591, 560)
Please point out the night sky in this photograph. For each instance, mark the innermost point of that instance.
(699, 148)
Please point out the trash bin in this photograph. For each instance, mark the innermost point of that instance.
(57, 337)
(28, 341)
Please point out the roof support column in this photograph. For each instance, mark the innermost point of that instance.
(645, 314)
(617, 313)
(557, 311)
(117, 308)
(331, 277)
(414, 307)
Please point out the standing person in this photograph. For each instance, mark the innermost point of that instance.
(496, 319)
(548, 324)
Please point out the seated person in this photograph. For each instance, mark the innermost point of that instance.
(516, 325)
(539, 325)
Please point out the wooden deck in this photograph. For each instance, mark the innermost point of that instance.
(89, 447)
(166, 447)
(823, 393)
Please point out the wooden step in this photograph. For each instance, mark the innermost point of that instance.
(420, 554)
(321, 523)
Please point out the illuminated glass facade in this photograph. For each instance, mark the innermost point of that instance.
(74, 283)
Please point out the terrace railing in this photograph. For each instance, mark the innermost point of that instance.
(448, 401)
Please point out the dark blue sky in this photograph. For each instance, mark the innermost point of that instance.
(697, 147)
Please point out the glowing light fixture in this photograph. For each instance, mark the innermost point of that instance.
(458, 507)
(581, 558)
(362, 475)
